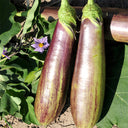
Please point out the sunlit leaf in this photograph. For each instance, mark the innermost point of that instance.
(34, 86)
(45, 27)
(2, 88)
(31, 15)
(8, 105)
(51, 29)
(32, 76)
(115, 110)
(22, 65)
(30, 117)
(8, 26)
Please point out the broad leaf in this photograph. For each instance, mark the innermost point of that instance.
(31, 15)
(32, 76)
(34, 86)
(22, 65)
(45, 27)
(30, 117)
(8, 26)
(115, 110)
(51, 29)
(8, 105)
(2, 88)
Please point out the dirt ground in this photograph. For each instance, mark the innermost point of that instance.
(64, 121)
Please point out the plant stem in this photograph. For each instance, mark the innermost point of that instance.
(64, 2)
(8, 56)
(67, 14)
(7, 122)
(90, 2)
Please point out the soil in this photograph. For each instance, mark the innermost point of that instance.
(63, 121)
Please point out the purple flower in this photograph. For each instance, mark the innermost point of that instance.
(40, 44)
(4, 54)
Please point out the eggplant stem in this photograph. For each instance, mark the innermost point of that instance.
(90, 2)
(64, 2)
(67, 14)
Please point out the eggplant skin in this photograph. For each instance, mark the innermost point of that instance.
(119, 27)
(55, 76)
(88, 83)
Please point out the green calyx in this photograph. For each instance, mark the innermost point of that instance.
(67, 14)
(93, 12)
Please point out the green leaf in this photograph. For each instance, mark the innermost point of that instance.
(22, 65)
(31, 15)
(45, 27)
(35, 82)
(8, 105)
(38, 56)
(2, 88)
(1, 49)
(115, 109)
(32, 76)
(12, 66)
(34, 86)
(30, 117)
(33, 79)
(8, 26)
(22, 14)
(3, 77)
(17, 89)
(51, 29)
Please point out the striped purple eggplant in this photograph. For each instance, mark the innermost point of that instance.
(119, 27)
(88, 83)
(55, 75)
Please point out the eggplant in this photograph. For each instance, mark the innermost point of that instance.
(88, 82)
(55, 76)
(119, 27)
(115, 21)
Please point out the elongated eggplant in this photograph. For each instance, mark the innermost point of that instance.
(88, 83)
(55, 75)
(119, 27)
